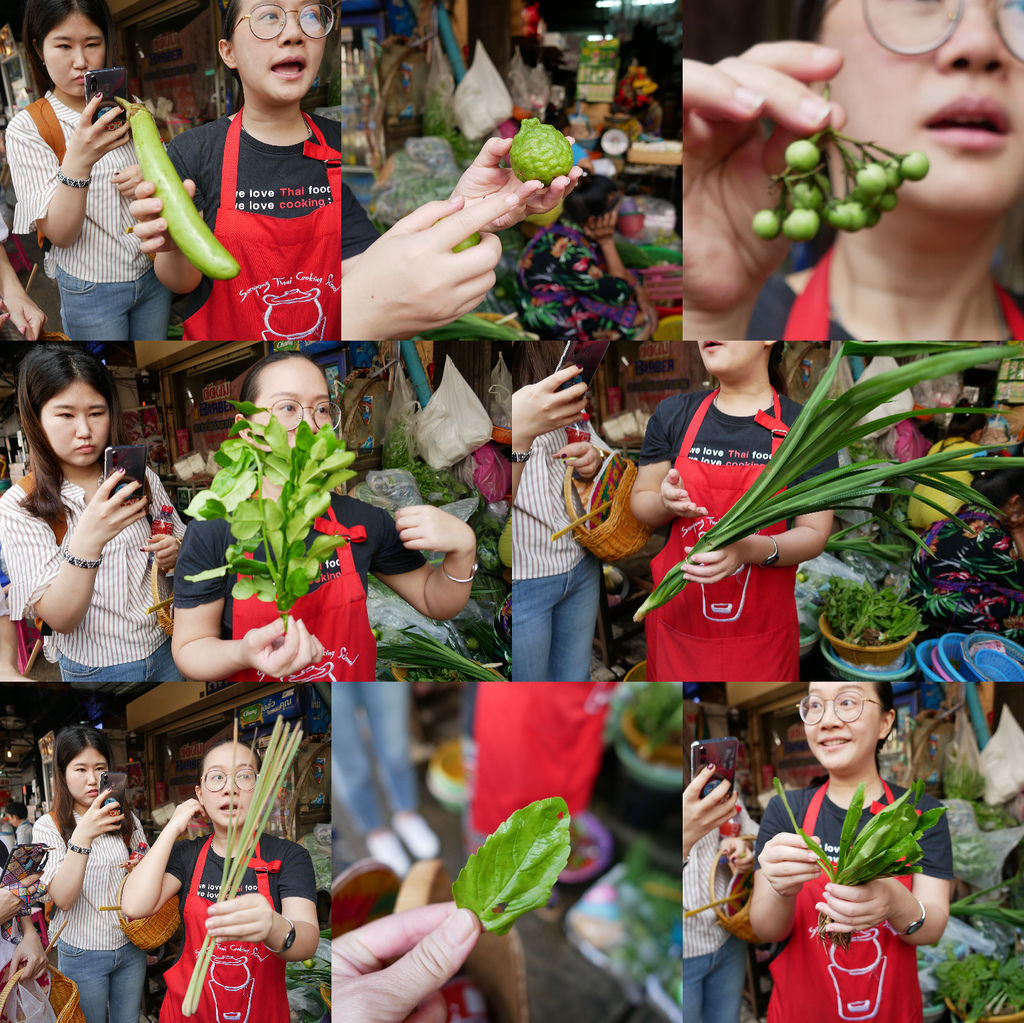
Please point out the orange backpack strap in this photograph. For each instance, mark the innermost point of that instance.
(60, 530)
(51, 133)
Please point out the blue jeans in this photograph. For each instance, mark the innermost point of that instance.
(553, 621)
(102, 976)
(116, 311)
(713, 984)
(387, 713)
(159, 666)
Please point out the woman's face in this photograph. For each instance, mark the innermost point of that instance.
(70, 49)
(730, 360)
(83, 775)
(231, 797)
(961, 104)
(76, 422)
(280, 71)
(290, 384)
(846, 746)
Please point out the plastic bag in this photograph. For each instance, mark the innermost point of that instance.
(403, 400)
(961, 769)
(492, 473)
(29, 1002)
(439, 110)
(902, 402)
(910, 443)
(499, 401)
(390, 613)
(453, 424)
(530, 86)
(395, 486)
(978, 855)
(1001, 762)
(422, 171)
(481, 98)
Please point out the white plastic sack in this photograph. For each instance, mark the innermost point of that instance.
(902, 402)
(29, 1002)
(453, 424)
(481, 99)
(1001, 762)
(530, 87)
(499, 402)
(403, 400)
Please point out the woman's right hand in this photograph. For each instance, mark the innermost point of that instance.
(787, 863)
(727, 161)
(91, 141)
(151, 228)
(183, 814)
(676, 499)
(107, 514)
(541, 407)
(279, 654)
(97, 820)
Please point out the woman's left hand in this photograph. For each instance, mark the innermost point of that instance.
(422, 527)
(856, 908)
(29, 952)
(165, 551)
(245, 918)
(713, 566)
(485, 176)
(739, 853)
(583, 457)
(26, 316)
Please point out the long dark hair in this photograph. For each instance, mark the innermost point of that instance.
(251, 383)
(532, 361)
(42, 16)
(884, 691)
(999, 485)
(69, 743)
(806, 18)
(47, 370)
(593, 196)
(963, 424)
(227, 31)
(775, 375)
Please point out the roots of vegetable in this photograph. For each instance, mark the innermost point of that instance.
(842, 939)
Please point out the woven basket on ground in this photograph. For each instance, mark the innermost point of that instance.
(739, 923)
(150, 932)
(63, 992)
(621, 534)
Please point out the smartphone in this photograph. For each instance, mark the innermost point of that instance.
(587, 354)
(117, 781)
(111, 81)
(131, 458)
(24, 860)
(721, 753)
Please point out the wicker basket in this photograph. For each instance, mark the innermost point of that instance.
(876, 656)
(150, 932)
(621, 534)
(163, 614)
(496, 964)
(1015, 1017)
(739, 923)
(667, 753)
(63, 992)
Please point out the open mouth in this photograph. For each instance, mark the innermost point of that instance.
(971, 123)
(290, 69)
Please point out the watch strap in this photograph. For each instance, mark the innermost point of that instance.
(918, 923)
(289, 937)
(774, 556)
(83, 850)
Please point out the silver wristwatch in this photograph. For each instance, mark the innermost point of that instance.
(917, 924)
(773, 557)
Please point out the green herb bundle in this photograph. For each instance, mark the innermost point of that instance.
(861, 614)
(887, 846)
(826, 426)
(252, 454)
(979, 987)
(967, 906)
(425, 652)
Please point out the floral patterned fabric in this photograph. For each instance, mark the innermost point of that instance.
(973, 581)
(565, 289)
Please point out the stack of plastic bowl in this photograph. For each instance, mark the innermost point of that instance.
(988, 657)
(903, 667)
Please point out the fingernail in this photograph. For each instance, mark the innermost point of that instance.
(814, 110)
(748, 99)
(460, 927)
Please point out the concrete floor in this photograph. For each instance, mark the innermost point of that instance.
(561, 983)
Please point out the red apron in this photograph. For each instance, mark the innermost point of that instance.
(811, 311)
(744, 627)
(245, 982)
(289, 287)
(534, 740)
(335, 612)
(816, 982)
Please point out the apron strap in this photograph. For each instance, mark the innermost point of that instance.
(809, 315)
(1011, 313)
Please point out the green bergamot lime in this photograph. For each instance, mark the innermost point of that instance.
(539, 152)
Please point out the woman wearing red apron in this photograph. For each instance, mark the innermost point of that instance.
(876, 978)
(329, 638)
(273, 923)
(736, 619)
(275, 193)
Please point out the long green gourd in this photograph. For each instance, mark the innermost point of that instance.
(184, 224)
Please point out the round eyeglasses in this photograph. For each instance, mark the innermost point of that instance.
(848, 707)
(289, 413)
(920, 26)
(267, 21)
(245, 778)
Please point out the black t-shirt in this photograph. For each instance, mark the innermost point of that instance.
(275, 181)
(205, 542)
(295, 879)
(721, 439)
(357, 230)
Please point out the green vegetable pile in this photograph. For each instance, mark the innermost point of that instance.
(427, 654)
(867, 616)
(978, 986)
(658, 711)
(437, 486)
(887, 846)
(516, 868)
(306, 474)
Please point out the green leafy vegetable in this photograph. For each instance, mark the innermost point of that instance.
(306, 473)
(425, 652)
(516, 868)
(867, 616)
(978, 986)
(658, 711)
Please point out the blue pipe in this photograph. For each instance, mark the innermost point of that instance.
(977, 714)
(414, 368)
(451, 47)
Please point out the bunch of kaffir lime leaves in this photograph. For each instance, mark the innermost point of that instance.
(254, 453)
(888, 846)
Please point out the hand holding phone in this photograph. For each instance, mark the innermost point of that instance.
(117, 782)
(587, 354)
(131, 458)
(111, 82)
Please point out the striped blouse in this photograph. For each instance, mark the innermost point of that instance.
(102, 252)
(116, 628)
(539, 511)
(88, 927)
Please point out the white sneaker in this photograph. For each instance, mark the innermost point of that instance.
(415, 832)
(384, 846)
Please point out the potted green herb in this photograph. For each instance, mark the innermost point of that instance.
(865, 625)
(653, 722)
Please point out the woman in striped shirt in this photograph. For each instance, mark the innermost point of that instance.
(75, 174)
(90, 844)
(76, 551)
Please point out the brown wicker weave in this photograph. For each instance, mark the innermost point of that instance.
(63, 992)
(739, 923)
(150, 932)
(163, 614)
(622, 533)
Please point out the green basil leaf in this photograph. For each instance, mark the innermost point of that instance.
(243, 589)
(516, 868)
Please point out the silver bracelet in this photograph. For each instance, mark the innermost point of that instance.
(73, 182)
(454, 580)
(79, 562)
(521, 456)
(80, 849)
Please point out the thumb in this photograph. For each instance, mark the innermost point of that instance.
(266, 633)
(435, 960)
(674, 477)
(426, 215)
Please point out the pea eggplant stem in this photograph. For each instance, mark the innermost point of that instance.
(184, 224)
